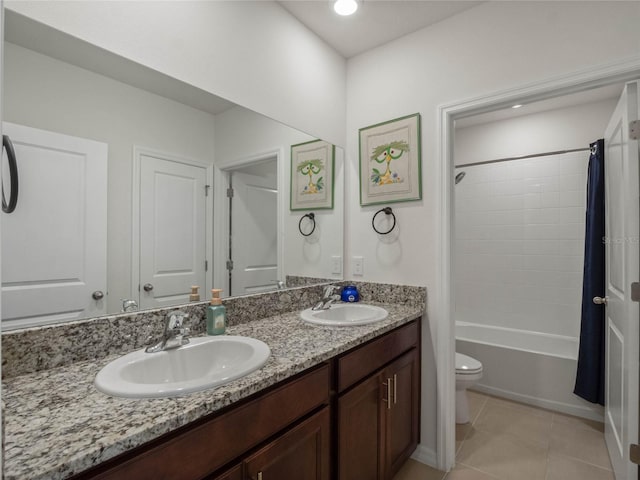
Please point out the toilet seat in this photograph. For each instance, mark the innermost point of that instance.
(466, 365)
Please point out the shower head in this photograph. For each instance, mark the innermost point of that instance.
(459, 177)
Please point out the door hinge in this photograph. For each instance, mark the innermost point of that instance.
(634, 453)
(635, 291)
(206, 265)
(230, 192)
(206, 190)
(634, 130)
(229, 264)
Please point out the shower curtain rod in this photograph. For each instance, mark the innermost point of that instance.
(533, 155)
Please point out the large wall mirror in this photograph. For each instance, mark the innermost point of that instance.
(134, 186)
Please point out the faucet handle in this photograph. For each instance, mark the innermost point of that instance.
(329, 289)
(175, 319)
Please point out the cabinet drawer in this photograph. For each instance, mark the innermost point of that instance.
(205, 448)
(364, 360)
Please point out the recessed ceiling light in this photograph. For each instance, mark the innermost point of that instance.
(516, 106)
(345, 7)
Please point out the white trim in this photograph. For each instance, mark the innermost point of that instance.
(221, 214)
(592, 413)
(138, 151)
(593, 77)
(425, 455)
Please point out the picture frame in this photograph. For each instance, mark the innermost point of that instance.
(390, 161)
(312, 175)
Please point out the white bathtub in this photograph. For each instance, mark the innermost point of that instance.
(529, 367)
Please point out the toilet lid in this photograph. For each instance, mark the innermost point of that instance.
(466, 364)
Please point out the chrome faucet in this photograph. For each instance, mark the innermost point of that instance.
(174, 335)
(327, 298)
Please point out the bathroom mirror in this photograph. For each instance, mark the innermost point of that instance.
(133, 190)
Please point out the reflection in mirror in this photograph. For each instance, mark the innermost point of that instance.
(124, 182)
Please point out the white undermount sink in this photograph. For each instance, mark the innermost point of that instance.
(203, 363)
(345, 315)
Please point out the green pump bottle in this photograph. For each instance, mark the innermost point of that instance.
(216, 314)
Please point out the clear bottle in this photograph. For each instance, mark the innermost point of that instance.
(216, 314)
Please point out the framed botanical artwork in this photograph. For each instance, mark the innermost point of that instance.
(390, 164)
(312, 175)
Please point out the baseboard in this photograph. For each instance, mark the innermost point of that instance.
(425, 455)
(592, 413)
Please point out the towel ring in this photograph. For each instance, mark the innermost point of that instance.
(387, 211)
(13, 176)
(311, 217)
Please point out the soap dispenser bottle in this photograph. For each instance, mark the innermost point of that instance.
(216, 314)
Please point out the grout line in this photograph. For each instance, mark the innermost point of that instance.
(580, 461)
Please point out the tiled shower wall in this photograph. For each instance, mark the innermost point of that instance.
(519, 232)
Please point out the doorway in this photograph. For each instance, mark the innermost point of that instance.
(596, 77)
(251, 222)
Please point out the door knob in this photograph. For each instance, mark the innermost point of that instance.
(600, 300)
(148, 287)
(97, 295)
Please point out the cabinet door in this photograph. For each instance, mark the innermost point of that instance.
(403, 418)
(234, 474)
(301, 453)
(360, 423)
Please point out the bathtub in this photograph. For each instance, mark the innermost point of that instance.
(529, 367)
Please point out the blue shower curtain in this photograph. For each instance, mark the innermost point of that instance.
(590, 374)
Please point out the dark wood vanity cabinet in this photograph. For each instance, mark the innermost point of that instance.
(378, 418)
(353, 417)
(302, 454)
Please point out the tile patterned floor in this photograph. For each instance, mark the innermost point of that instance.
(511, 441)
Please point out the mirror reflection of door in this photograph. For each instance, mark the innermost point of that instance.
(173, 226)
(253, 228)
(54, 244)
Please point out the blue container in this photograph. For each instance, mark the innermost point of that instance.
(350, 294)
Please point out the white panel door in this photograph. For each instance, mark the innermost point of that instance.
(54, 245)
(172, 230)
(254, 232)
(623, 268)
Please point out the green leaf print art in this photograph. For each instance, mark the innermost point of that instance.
(311, 168)
(385, 154)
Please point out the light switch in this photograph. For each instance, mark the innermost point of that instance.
(336, 265)
(358, 265)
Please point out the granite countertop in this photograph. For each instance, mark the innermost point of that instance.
(57, 424)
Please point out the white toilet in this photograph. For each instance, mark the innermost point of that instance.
(468, 372)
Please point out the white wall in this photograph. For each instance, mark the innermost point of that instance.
(242, 134)
(252, 53)
(492, 47)
(519, 244)
(42, 92)
(519, 231)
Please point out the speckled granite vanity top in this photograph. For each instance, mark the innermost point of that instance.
(57, 424)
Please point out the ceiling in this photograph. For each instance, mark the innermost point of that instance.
(609, 92)
(375, 22)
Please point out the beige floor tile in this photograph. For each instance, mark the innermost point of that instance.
(520, 423)
(413, 470)
(461, 433)
(520, 406)
(504, 456)
(579, 443)
(463, 472)
(564, 468)
(477, 401)
(578, 422)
